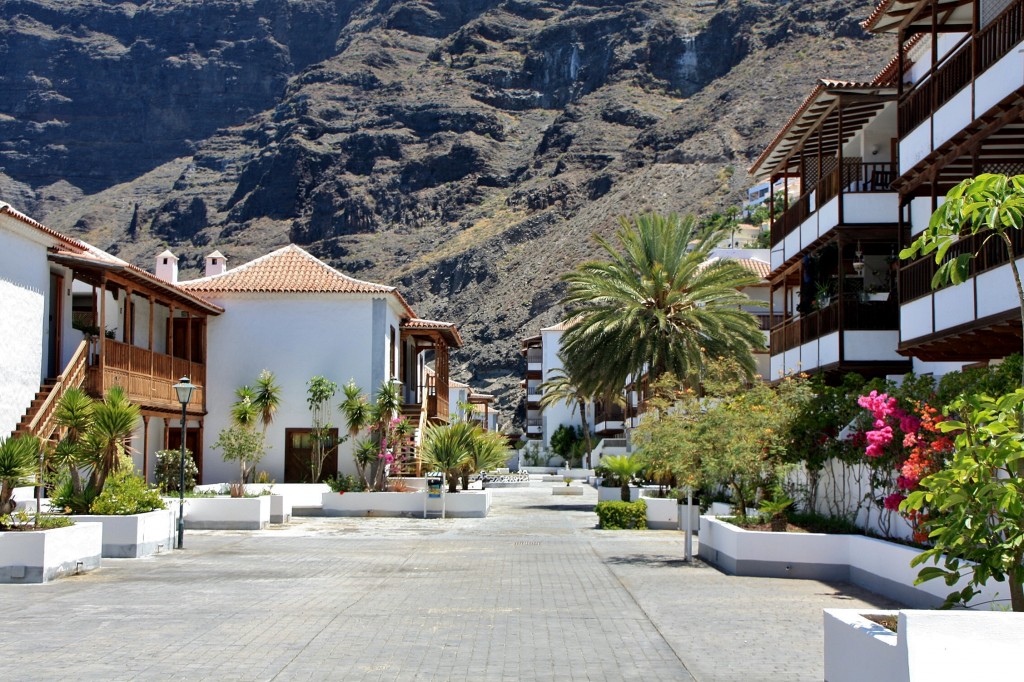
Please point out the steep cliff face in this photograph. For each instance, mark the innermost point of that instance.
(462, 149)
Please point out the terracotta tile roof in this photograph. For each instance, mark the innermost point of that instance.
(287, 270)
(446, 328)
(70, 242)
(758, 267)
(562, 326)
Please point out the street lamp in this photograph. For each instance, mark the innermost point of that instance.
(184, 390)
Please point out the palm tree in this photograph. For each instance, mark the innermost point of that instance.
(560, 388)
(656, 305)
(18, 458)
(624, 468)
(447, 447)
(114, 420)
(266, 398)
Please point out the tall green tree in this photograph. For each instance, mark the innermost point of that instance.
(319, 393)
(656, 305)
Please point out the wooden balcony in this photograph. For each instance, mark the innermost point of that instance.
(957, 70)
(146, 376)
(849, 315)
(916, 277)
(857, 177)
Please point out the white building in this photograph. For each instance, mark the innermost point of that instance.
(292, 314)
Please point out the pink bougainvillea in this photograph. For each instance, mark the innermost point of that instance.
(921, 450)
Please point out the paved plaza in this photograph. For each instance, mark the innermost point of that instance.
(534, 592)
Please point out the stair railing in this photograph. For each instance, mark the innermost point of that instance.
(41, 423)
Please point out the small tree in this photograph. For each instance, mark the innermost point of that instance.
(243, 445)
(564, 440)
(318, 396)
(625, 468)
(168, 470)
(977, 523)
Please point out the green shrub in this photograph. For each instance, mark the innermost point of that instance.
(618, 515)
(168, 470)
(126, 493)
(345, 483)
(66, 499)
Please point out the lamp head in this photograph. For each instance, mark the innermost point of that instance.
(184, 390)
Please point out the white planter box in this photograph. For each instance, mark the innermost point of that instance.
(615, 494)
(227, 513)
(663, 513)
(280, 509)
(567, 490)
(470, 503)
(43, 555)
(134, 535)
(931, 645)
(299, 495)
(880, 566)
(720, 509)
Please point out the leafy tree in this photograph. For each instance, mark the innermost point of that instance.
(319, 393)
(656, 305)
(990, 204)
(978, 500)
(564, 439)
(243, 445)
(19, 457)
(168, 471)
(665, 438)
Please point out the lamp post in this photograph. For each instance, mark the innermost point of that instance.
(184, 390)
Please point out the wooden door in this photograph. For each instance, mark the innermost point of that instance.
(298, 454)
(54, 364)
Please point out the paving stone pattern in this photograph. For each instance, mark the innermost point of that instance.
(534, 592)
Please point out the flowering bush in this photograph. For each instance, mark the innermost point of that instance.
(903, 446)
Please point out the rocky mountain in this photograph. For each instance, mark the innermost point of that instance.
(464, 150)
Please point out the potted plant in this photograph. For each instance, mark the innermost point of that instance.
(823, 294)
(776, 511)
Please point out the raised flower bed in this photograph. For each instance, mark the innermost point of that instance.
(39, 556)
(134, 535)
(929, 645)
(468, 503)
(880, 566)
(225, 513)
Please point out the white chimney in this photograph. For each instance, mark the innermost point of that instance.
(216, 264)
(167, 267)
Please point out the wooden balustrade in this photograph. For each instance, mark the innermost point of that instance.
(955, 71)
(147, 377)
(856, 316)
(43, 421)
(916, 276)
(855, 176)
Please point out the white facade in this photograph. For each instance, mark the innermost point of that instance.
(28, 296)
(296, 336)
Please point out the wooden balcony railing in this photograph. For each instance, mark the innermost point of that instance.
(856, 315)
(146, 376)
(857, 177)
(916, 277)
(40, 420)
(955, 71)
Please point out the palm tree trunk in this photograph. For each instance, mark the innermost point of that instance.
(625, 490)
(586, 429)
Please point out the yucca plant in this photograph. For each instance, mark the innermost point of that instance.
(488, 450)
(18, 460)
(113, 422)
(447, 448)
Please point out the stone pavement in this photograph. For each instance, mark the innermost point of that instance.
(534, 592)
